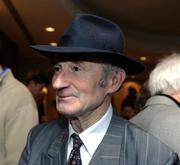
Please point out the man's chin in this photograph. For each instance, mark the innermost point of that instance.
(68, 113)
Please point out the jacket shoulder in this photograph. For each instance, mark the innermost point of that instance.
(47, 131)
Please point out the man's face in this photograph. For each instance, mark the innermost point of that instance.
(80, 87)
(128, 112)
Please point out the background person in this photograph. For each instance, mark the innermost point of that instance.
(128, 109)
(144, 94)
(128, 105)
(18, 114)
(36, 82)
(161, 113)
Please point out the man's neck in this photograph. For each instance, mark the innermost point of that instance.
(176, 96)
(81, 123)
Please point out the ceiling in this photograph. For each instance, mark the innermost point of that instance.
(151, 27)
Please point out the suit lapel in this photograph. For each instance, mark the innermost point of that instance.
(109, 149)
(56, 155)
(108, 152)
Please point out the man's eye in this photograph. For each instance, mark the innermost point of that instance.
(76, 68)
(57, 68)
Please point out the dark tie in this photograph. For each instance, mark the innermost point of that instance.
(75, 157)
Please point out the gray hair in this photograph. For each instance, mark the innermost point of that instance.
(165, 77)
(108, 69)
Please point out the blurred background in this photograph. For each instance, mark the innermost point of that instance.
(151, 28)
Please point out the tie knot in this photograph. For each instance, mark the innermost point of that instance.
(76, 141)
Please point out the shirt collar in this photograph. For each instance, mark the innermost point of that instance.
(178, 104)
(96, 131)
(3, 73)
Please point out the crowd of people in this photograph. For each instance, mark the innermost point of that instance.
(90, 66)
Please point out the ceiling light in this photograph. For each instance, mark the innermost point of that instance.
(143, 58)
(50, 29)
(53, 44)
(45, 90)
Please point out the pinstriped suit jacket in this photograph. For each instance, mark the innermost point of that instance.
(123, 144)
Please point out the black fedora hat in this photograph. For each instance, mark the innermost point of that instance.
(92, 35)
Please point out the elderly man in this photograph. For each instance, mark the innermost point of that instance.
(161, 113)
(90, 67)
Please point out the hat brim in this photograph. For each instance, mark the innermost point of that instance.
(130, 65)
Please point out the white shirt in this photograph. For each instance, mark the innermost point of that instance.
(91, 137)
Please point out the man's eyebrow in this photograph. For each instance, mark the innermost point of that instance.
(56, 64)
(79, 62)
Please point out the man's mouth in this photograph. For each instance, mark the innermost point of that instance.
(65, 97)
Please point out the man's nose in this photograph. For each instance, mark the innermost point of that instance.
(60, 80)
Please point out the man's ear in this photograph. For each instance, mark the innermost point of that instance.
(116, 81)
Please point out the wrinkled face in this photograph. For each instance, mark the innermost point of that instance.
(80, 87)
